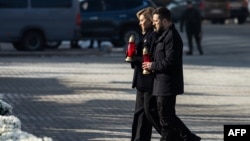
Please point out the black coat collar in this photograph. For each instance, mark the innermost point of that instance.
(164, 33)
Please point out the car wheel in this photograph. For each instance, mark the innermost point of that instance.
(214, 21)
(17, 46)
(222, 21)
(53, 45)
(33, 41)
(74, 44)
(241, 20)
(124, 37)
(117, 43)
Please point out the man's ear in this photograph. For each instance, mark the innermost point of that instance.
(166, 22)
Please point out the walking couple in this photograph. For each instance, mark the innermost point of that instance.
(156, 92)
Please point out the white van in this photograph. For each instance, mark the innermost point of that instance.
(32, 24)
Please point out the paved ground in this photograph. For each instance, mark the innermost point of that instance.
(88, 97)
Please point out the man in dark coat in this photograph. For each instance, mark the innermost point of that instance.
(145, 114)
(192, 20)
(168, 81)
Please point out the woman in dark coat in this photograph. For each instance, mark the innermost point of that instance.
(145, 114)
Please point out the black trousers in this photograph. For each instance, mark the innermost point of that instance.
(145, 116)
(196, 34)
(172, 126)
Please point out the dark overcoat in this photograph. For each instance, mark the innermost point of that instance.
(167, 64)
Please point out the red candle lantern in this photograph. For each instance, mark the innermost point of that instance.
(131, 49)
(146, 58)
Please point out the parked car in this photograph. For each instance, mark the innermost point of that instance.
(111, 20)
(177, 7)
(220, 10)
(239, 10)
(213, 10)
(34, 24)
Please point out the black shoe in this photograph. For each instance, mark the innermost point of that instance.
(75, 46)
(189, 53)
(90, 47)
(172, 135)
(192, 137)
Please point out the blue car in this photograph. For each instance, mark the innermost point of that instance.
(111, 20)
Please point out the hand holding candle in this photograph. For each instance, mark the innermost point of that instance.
(146, 61)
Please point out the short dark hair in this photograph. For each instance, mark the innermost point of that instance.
(163, 13)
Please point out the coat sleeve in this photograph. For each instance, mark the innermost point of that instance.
(167, 60)
(137, 59)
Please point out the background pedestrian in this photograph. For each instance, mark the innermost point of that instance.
(192, 21)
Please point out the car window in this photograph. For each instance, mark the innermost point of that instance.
(122, 4)
(93, 5)
(109, 5)
(176, 3)
(51, 3)
(13, 3)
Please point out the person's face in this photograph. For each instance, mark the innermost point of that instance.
(157, 23)
(160, 24)
(144, 23)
